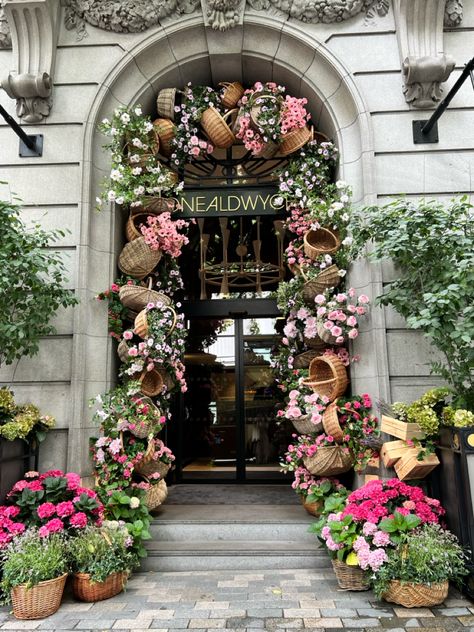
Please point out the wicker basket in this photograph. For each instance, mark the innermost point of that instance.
(166, 131)
(156, 495)
(166, 101)
(315, 344)
(295, 140)
(155, 205)
(328, 461)
(141, 322)
(302, 360)
(148, 466)
(304, 425)
(122, 351)
(231, 93)
(39, 601)
(326, 335)
(416, 595)
(137, 259)
(321, 241)
(132, 227)
(86, 590)
(326, 279)
(331, 423)
(265, 99)
(137, 297)
(314, 509)
(144, 429)
(151, 382)
(327, 377)
(216, 128)
(268, 150)
(350, 577)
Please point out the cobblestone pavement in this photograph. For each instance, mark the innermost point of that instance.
(247, 601)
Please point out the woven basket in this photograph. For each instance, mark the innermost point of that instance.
(122, 351)
(350, 577)
(302, 360)
(328, 461)
(151, 382)
(153, 205)
(326, 335)
(231, 94)
(315, 344)
(331, 423)
(166, 131)
(86, 590)
(39, 601)
(416, 595)
(137, 259)
(327, 377)
(326, 279)
(146, 428)
(167, 379)
(216, 128)
(156, 495)
(132, 227)
(314, 509)
(137, 297)
(269, 150)
(141, 322)
(256, 107)
(295, 140)
(322, 241)
(165, 102)
(148, 466)
(305, 426)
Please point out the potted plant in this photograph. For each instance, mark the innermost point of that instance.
(304, 409)
(35, 569)
(317, 492)
(101, 560)
(418, 571)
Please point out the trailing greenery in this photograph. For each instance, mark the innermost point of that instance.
(432, 247)
(31, 284)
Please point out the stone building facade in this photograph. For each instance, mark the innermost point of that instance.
(368, 69)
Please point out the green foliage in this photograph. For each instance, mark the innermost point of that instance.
(334, 503)
(458, 418)
(427, 555)
(31, 285)
(102, 551)
(22, 422)
(432, 247)
(29, 559)
(399, 525)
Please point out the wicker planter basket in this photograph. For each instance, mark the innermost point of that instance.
(302, 360)
(315, 344)
(141, 322)
(328, 461)
(269, 150)
(350, 577)
(322, 241)
(295, 140)
(231, 94)
(216, 128)
(155, 205)
(314, 509)
(146, 428)
(265, 99)
(331, 423)
(137, 259)
(148, 466)
(122, 351)
(167, 379)
(166, 131)
(137, 297)
(326, 279)
(40, 601)
(156, 495)
(327, 336)
(165, 102)
(327, 377)
(85, 590)
(304, 425)
(151, 382)
(416, 595)
(133, 225)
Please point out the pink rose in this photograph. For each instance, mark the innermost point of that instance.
(128, 335)
(353, 333)
(352, 321)
(336, 331)
(363, 299)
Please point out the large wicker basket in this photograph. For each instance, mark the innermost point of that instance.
(268, 150)
(148, 465)
(295, 140)
(350, 577)
(141, 322)
(304, 425)
(151, 382)
(231, 93)
(133, 225)
(155, 205)
(216, 128)
(165, 102)
(144, 429)
(39, 601)
(122, 351)
(86, 590)
(326, 279)
(137, 297)
(321, 241)
(137, 259)
(327, 377)
(166, 131)
(302, 360)
(331, 423)
(156, 495)
(416, 595)
(328, 461)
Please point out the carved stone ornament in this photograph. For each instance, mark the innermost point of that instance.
(420, 40)
(33, 26)
(223, 14)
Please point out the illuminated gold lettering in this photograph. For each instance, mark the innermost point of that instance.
(249, 202)
(213, 205)
(234, 197)
(200, 204)
(264, 201)
(185, 202)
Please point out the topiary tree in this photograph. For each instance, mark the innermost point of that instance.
(432, 247)
(31, 284)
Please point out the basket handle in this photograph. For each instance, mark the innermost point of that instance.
(175, 319)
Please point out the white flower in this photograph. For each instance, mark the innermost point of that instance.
(148, 126)
(125, 118)
(137, 171)
(98, 200)
(330, 212)
(278, 201)
(345, 217)
(299, 193)
(344, 198)
(113, 131)
(136, 142)
(120, 200)
(105, 121)
(116, 175)
(340, 184)
(111, 195)
(337, 206)
(342, 273)
(134, 502)
(138, 111)
(139, 190)
(134, 158)
(347, 241)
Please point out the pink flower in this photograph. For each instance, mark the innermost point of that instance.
(353, 333)
(352, 321)
(363, 299)
(320, 299)
(73, 480)
(46, 510)
(43, 532)
(336, 331)
(65, 509)
(78, 520)
(55, 525)
(128, 335)
(133, 352)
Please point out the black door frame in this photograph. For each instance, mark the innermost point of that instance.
(237, 310)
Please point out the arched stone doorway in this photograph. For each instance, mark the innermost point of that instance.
(183, 51)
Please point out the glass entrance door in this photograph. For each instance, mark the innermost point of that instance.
(227, 421)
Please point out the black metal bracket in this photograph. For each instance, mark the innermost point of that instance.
(427, 131)
(31, 146)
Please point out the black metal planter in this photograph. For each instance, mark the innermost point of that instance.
(16, 458)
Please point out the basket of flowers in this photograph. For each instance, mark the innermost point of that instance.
(137, 297)
(137, 259)
(294, 140)
(327, 376)
(327, 459)
(216, 127)
(166, 102)
(231, 93)
(338, 316)
(304, 409)
(157, 460)
(156, 494)
(155, 318)
(324, 280)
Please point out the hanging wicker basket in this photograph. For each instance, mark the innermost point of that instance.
(326, 279)
(133, 225)
(295, 140)
(137, 259)
(416, 595)
(167, 379)
(314, 509)
(122, 351)
(166, 131)
(304, 425)
(315, 344)
(269, 149)
(151, 382)
(264, 101)
(137, 297)
(350, 577)
(331, 423)
(326, 335)
(231, 93)
(141, 322)
(216, 127)
(149, 466)
(86, 590)
(328, 461)
(302, 360)
(156, 495)
(166, 101)
(321, 241)
(327, 377)
(155, 205)
(39, 601)
(145, 428)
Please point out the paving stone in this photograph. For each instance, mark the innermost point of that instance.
(412, 612)
(245, 622)
(20, 625)
(360, 623)
(91, 624)
(374, 612)
(412, 623)
(287, 624)
(452, 612)
(133, 624)
(467, 620)
(262, 613)
(327, 622)
(171, 624)
(207, 623)
(316, 603)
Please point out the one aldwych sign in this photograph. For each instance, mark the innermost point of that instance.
(237, 201)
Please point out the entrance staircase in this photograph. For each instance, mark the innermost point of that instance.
(188, 537)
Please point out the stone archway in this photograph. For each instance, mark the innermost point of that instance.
(185, 50)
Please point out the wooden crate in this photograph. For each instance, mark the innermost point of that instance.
(409, 468)
(401, 429)
(373, 462)
(392, 451)
(370, 477)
